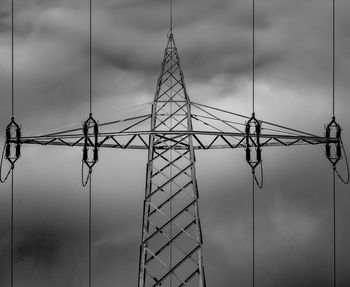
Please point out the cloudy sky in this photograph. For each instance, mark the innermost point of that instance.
(293, 88)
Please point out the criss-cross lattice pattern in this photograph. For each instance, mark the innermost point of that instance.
(171, 248)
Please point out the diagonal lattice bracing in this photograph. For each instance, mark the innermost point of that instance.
(171, 247)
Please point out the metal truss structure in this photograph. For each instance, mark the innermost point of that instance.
(171, 247)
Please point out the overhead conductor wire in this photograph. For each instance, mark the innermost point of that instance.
(253, 230)
(333, 56)
(90, 56)
(342, 178)
(12, 170)
(2, 180)
(253, 175)
(334, 232)
(12, 61)
(171, 16)
(259, 184)
(90, 172)
(90, 228)
(253, 60)
(334, 167)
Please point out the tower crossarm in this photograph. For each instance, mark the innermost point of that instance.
(202, 140)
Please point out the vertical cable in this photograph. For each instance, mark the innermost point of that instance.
(171, 15)
(334, 168)
(333, 58)
(253, 59)
(12, 171)
(90, 55)
(334, 233)
(90, 228)
(333, 111)
(253, 175)
(90, 179)
(12, 61)
(12, 225)
(253, 229)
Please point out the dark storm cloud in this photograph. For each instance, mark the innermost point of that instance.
(51, 45)
(37, 254)
(293, 61)
(213, 37)
(51, 248)
(5, 15)
(293, 218)
(51, 226)
(207, 40)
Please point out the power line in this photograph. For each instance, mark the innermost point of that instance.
(12, 60)
(253, 59)
(12, 170)
(333, 57)
(334, 233)
(334, 167)
(253, 175)
(90, 171)
(12, 229)
(171, 15)
(90, 227)
(90, 56)
(253, 227)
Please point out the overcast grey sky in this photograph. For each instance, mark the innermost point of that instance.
(293, 88)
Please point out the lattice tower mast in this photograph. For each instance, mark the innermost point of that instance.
(171, 248)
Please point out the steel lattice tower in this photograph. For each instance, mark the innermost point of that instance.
(171, 248)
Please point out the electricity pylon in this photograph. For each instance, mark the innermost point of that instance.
(171, 247)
